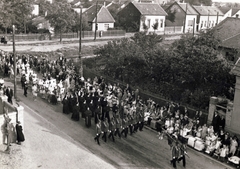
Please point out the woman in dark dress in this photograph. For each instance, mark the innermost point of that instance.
(75, 115)
(65, 105)
(20, 135)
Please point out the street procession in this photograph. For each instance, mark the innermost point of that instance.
(116, 111)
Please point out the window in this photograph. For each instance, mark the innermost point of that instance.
(205, 25)
(106, 26)
(201, 24)
(149, 23)
(209, 24)
(212, 23)
(161, 23)
(190, 22)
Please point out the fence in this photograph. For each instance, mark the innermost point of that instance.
(46, 36)
(173, 30)
(86, 34)
(27, 37)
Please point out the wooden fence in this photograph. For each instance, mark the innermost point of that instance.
(32, 37)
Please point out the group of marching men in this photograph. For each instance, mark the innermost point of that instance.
(116, 110)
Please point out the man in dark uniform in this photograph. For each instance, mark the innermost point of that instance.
(118, 126)
(105, 128)
(112, 128)
(88, 115)
(125, 126)
(182, 153)
(9, 94)
(23, 80)
(141, 118)
(175, 153)
(98, 132)
(25, 88)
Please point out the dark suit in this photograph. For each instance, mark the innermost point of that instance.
(9, 94)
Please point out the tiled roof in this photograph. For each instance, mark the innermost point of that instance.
(190, 9)
(235, 10)
(103, 14)
(150, 9)
(228, 28)
(208, 10)
(236, 68)
(232, 42)
(224, 9)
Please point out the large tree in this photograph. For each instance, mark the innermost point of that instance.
(189, 71)
(15, 12)
(61, 16)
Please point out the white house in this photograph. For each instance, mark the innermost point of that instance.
(147, 16)
(209, 16)
(151, 14)
(104, 19)
(184, 15)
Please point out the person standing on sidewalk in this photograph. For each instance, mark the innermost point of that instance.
(5, 131)
(9, 94)
(19, 131)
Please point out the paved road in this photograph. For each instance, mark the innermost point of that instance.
(142, 150)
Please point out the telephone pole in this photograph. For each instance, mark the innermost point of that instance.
(80, 43)
(96, 26)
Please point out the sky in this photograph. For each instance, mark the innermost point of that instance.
(233, 1)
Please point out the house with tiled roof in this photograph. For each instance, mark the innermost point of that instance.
(185, 16)
(102, 16)
(208, 16)
(142, 17)
(228, 31)
(227, 11)
(236, 12)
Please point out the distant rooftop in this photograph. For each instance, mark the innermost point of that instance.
(208, 10)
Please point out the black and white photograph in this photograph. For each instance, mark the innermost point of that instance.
(120, 84)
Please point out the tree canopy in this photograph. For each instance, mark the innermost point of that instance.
(189, 71)
(15, 12)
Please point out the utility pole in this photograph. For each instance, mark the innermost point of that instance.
(208, 20)
(14, 65)
(80, 43)
(184, 26)
(193, 26)
(96, 26)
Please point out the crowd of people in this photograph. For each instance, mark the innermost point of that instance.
(119, 110)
